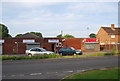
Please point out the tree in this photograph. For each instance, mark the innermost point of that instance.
(59, 36)
(35, 33)
(92, 35)
(18, 35)
(68, 36)
(4, 32)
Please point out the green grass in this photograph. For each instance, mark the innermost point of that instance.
(93, 55)
(108, 73)
(8, 57)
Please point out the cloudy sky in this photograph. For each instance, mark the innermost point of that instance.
(77, 18)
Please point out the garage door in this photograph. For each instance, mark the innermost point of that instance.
(0, 48)
(29, 46)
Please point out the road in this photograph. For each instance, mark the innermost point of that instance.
(54, 68)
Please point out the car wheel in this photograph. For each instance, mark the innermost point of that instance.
(61, 54)
(74, 54)
(30, 55)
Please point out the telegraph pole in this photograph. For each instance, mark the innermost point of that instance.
(88, 32)
(62, 32)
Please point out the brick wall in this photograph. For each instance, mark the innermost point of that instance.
(73, 42)
(10, 47)
(102, 36)
(109, 47)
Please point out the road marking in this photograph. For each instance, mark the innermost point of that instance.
(13, 75)
(36, 74)
(70, 71)
(17, 75)
(83, 70)
(51, 72)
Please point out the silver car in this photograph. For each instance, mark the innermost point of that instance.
(37, 51)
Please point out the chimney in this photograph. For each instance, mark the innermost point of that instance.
(112, 26)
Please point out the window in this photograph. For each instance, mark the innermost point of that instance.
(112, 42)
(33, 49)
(38, 50)
(112, 36)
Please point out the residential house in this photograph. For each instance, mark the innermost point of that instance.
(109, 37)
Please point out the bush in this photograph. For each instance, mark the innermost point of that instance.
(114, 52)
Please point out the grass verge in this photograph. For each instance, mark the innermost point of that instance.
(7, 57)
(105, 73)
(94, 54)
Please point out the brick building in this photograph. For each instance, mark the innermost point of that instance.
(20, 45)
(109, 37)
(84, 44)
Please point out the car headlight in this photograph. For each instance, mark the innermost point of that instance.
(77, 52)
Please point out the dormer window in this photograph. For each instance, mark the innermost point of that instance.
(112, 36)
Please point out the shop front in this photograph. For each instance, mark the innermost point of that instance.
(90, 45)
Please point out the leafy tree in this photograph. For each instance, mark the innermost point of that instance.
(18, 35)
(68, 36)
(4, 32)
(37, 34)
(59, 36)
(92, 35)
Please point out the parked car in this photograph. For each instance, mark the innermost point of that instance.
(37, 51)
(69, 51)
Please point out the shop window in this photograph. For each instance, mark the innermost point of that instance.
(91, 46)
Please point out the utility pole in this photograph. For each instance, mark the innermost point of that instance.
(88, 32)
(62, 32)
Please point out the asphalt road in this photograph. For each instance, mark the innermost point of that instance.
(54, 68)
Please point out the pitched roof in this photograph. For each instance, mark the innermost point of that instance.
(109, 30)
(27, 35)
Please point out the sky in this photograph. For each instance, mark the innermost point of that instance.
(77, 18)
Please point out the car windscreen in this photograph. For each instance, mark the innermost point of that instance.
(72, 48)
(43, 49)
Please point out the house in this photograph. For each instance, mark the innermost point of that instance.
(109, 37)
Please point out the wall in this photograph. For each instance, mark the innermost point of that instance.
(102, 36)
(16, 45)
(73, 42)
(110, 47)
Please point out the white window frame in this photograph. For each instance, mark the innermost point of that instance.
(112, 36)
(112, 42)
(2, 41)
(28, 41)
(53, 40)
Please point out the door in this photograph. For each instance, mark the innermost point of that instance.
(53, 45)
(69, 51)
